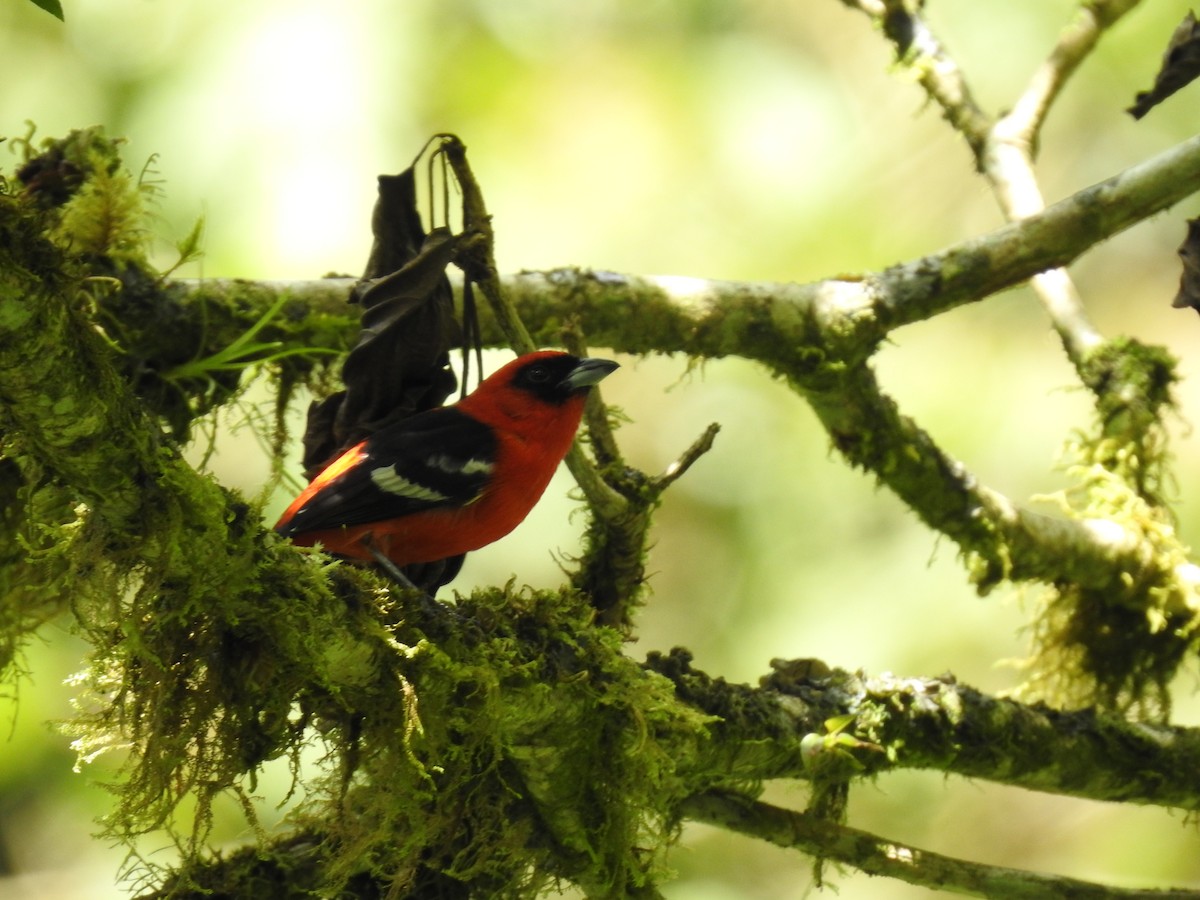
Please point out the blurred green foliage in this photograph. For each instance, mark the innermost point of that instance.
(741, 139)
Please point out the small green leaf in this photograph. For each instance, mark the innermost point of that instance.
(54, 7)
(839, 723)
(188, 249)
(244, 351)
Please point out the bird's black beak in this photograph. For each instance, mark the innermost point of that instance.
(588, 371)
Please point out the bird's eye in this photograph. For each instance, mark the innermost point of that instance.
(538, 374)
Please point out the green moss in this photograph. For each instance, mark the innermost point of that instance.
(1120, 646)
(37, 527)
(26, 258)
(1132, 383)
(1093, 651)
(105, 218)
(79, 225)
(524, 747)
(542, 753)
(204, 657)
(54, 170)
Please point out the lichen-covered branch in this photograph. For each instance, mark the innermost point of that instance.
(785, 325)
(937, 71)
(1130, 383)
(1004, 146)
(1048, 239)
(1001, 540)
(1008, 163)
(1091, 20)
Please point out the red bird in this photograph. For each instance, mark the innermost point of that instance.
(450, 479)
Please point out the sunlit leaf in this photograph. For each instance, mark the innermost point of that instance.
(188, 248)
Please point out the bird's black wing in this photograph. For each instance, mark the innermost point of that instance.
(438, 458)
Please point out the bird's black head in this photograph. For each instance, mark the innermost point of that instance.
(555, 377)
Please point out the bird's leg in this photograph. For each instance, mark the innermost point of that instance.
(391, 569)
(438, 612)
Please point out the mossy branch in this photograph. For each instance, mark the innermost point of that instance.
(936, 724)
(874, 855)
(202, 649)
(762, 733)
(1130, 383)
(1004, 146)
(193, 639)
(60, 391)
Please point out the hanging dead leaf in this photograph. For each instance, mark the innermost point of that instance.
(401, 363)
(1180, 66)
(1189, 282)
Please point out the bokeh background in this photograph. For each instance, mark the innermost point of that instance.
(737, 139)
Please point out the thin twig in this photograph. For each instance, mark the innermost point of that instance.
(478, 261)
(1008, 157)
(1074, 45)
(938, 72)
(600, 432)
(687, 459)
(1004, 148)
(479, 265)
